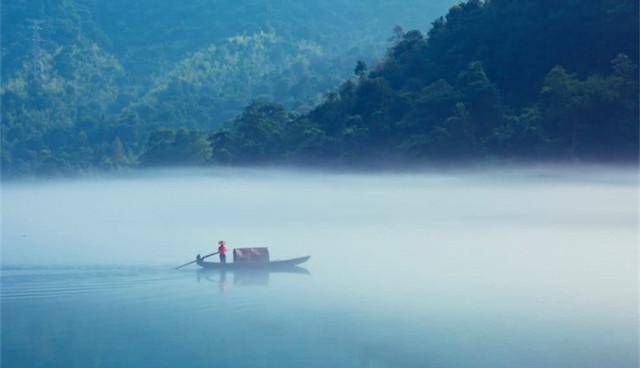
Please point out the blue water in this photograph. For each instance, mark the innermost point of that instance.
(418, 271)
(152, 317)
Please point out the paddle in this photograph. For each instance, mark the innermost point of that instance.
(186, 264)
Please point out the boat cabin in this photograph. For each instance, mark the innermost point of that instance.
(251, 255)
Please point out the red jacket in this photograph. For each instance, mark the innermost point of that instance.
(222, 249)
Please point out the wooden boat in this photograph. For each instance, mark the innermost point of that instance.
(271, 265)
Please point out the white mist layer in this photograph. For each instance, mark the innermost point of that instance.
(522, 231)
(162, 218)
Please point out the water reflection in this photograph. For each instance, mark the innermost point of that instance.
(244, 277)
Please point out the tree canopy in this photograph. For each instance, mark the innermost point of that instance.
(525, 80)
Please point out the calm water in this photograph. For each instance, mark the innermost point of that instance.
(516, 268)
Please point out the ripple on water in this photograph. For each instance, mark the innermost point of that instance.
(33, 283)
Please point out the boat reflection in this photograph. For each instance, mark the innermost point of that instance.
(244, 277)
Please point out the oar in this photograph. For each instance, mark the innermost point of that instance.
(186, 264)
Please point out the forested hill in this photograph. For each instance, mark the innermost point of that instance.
(83, 81)
(527, 79)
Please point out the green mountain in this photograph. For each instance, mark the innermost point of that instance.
(79, 76)
(88, 84)
(525, 80)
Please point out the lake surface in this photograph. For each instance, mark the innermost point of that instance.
(533, 267)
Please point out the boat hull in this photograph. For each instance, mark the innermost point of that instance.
(273, 265)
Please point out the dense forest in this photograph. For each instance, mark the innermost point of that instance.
(514, 80)
(85, 81)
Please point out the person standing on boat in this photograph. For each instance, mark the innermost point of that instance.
(222, 251)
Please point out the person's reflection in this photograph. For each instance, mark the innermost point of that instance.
(221, 280)
(222, 283)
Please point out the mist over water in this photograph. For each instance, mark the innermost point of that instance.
(529, 267)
